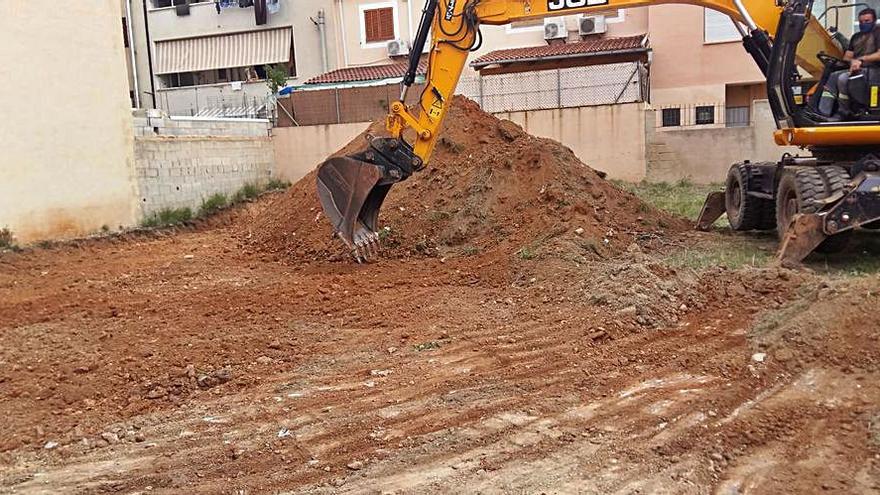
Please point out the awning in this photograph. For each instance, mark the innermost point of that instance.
(268, 46)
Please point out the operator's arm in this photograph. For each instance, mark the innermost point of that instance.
(848, 55)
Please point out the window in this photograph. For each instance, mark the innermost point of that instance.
(705, 115)
(671, 117)
(736, 116)
(125, 31)
(378, 24)
(718, 28)
(158, 4)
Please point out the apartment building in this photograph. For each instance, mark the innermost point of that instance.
(197, 56)
(209, 57)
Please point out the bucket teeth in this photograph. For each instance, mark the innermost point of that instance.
(366, 246)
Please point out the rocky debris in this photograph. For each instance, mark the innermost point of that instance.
(648, 292)
(110, 437)
(759, 357)
(214, 378)
(355, 465)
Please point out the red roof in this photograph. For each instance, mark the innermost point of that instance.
(596, 46)
(366, 73)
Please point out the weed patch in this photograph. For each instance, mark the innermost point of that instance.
(213, 204)
(167, 217)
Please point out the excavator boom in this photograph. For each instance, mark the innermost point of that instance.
(351, 189)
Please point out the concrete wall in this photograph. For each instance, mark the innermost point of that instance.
(188, 160)
(67, 155)
(610, 138)
(704, 154)
(298, 150)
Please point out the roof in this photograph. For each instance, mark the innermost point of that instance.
(598, 46)
(367, 73)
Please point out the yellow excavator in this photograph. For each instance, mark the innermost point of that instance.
(813, 201)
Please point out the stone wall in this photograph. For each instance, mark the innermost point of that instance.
(179, 162)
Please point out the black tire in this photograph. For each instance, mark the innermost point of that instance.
(800, 190)
(746, 212)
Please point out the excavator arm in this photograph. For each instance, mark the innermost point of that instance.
(352, 188)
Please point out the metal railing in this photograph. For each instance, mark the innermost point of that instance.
(702, 115)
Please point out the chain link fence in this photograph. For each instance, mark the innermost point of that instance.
(606, 84)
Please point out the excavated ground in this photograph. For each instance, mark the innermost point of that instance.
(497, 348)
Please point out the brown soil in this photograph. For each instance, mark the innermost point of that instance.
(207, 361)
(489, 186)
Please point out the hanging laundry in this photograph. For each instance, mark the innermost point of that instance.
(227, 4)
(273, 6)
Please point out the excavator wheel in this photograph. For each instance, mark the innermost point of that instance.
(801, 190)
(746, 212)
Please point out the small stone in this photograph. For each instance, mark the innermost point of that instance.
(716, 456)
(264, 360)
(110, 437)
(327, 468)
(139, 437)
(392, 350)
(157, 393)
(783, 354)
(598, 333)
(188, 256)
(759, 357)
(579, 231)
(276, 345)
(683, 307)
(355, 465)
(50, 445)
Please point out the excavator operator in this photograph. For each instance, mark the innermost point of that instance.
(863, 52)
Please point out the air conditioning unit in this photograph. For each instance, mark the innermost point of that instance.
(554, 28)
(591, 24)
(397, 48)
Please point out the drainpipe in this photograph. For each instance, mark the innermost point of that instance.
(149, 54)
(321, 22)
(134, 69)
(342, 27)
(412, 31)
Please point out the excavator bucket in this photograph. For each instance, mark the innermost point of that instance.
(803, 236)
(351, 190)
(712, 210)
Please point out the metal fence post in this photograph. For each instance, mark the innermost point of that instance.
(558, 88)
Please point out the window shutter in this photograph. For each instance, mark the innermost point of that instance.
(379, 24)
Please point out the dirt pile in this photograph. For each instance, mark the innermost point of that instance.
(488, 185)
(832, 323)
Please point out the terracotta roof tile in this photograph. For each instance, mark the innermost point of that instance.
(560, 50)
(366, 73)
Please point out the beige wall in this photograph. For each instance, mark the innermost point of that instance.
(610, 138)
(66, 167)
(685, 69)
(298, 150)
(704, 154)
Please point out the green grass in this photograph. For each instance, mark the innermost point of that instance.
(213, 204)
(526, 253)
(276, 184)
(247, 192)
(167, 217)
(733, 253)
(7, 240)
(682, 198)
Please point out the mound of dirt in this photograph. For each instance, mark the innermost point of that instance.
(488, 186)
